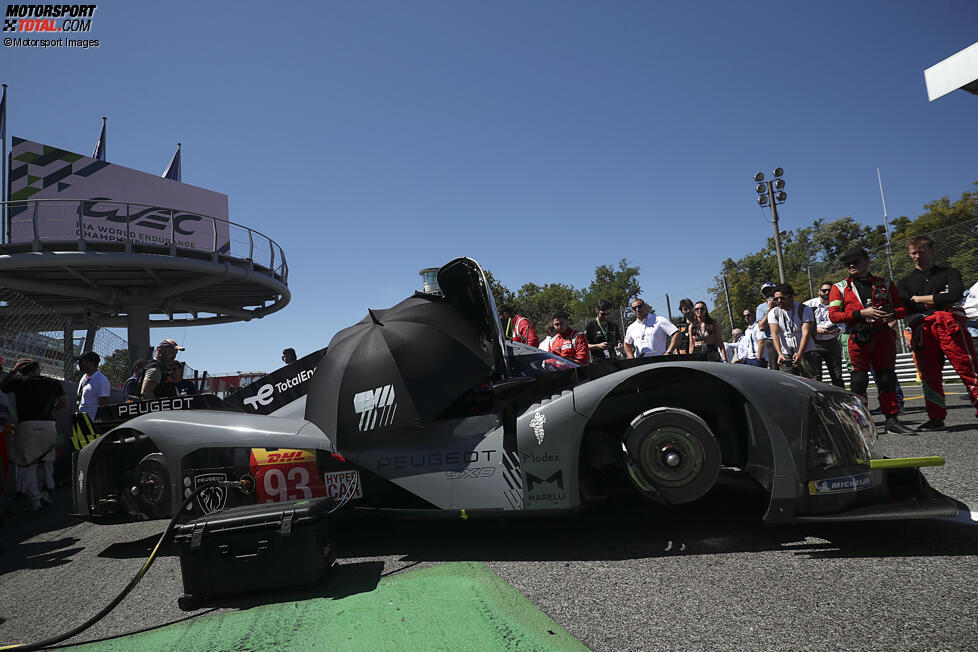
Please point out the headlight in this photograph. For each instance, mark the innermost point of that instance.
(840, 433)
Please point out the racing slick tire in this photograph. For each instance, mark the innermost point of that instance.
(152, 480)
(671, 455)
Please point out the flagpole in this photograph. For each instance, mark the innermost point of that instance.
(889, 259)
(886, 226)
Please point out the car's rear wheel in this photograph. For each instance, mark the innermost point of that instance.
(671, 455)
(152, 484)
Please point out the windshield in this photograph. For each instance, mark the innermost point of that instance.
(530, 361)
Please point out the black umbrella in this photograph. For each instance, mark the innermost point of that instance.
(396, 370)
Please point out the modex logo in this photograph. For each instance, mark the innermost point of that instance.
(43, 18)
(376, 407)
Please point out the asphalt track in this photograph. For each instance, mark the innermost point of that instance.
(627, 577)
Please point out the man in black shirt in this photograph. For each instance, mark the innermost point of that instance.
(38, 398)
(930, 293)
(603, 336)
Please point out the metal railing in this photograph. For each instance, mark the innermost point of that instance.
(91, 221)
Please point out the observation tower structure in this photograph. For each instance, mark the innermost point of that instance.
(166, 256)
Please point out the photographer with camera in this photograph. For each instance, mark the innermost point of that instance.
(865, 303)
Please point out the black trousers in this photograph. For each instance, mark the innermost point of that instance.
(829, 352)
(770, 354)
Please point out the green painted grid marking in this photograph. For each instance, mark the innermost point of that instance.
(24, 193)
(453, 606)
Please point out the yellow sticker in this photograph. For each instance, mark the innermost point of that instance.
(265, 456)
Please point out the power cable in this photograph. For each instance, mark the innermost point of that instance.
(238, 484)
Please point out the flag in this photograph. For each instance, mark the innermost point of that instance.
(3, 114)
(99, 153)
(173, 169)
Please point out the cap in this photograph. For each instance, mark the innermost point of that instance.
(90, 356)
(853, 254)
(166, 343)
(767, 285)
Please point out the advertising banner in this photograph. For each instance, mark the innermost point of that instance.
(108, 202)
(277, 389)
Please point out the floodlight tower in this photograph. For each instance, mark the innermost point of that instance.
(766, 195)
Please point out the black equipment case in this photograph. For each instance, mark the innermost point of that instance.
(256, 548)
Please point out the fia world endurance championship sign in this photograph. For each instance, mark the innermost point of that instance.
(101, 201)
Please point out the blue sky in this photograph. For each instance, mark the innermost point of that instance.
(544, 138)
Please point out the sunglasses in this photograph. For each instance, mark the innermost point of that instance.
(604, 313)
(700, 309)
(638, 307)
(824, 290)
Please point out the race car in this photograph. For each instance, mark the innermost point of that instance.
(424, 409)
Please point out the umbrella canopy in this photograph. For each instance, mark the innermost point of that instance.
(396, 370)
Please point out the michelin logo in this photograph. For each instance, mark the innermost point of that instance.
(376, 407)
(841, 485)
(536, 424)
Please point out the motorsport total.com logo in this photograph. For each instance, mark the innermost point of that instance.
(48, 18)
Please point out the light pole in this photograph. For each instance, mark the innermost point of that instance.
(766, 195)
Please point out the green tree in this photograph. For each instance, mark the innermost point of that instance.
(815, 251)
(500, 293)
(116, 366)
(953, 227)
(539, 303)
(619, 286)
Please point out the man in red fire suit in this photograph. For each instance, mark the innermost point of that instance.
(516, 327)
(930, 292)
(865, 303)
(568, 343)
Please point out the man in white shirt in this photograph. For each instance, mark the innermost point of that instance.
(648, 334)
(750, 348)
(791, 332)
(827, 346)
(764, 330)
(94, 387)
(730, 348)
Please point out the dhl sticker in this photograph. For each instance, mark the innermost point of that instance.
(266, 456)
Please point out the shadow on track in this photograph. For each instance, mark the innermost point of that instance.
(722, 523)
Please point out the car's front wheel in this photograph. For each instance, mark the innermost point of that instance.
(671, 455)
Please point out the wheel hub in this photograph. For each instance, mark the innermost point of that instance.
(670, 457)
(151, 486)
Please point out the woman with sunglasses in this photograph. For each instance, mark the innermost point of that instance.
(705, 336)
